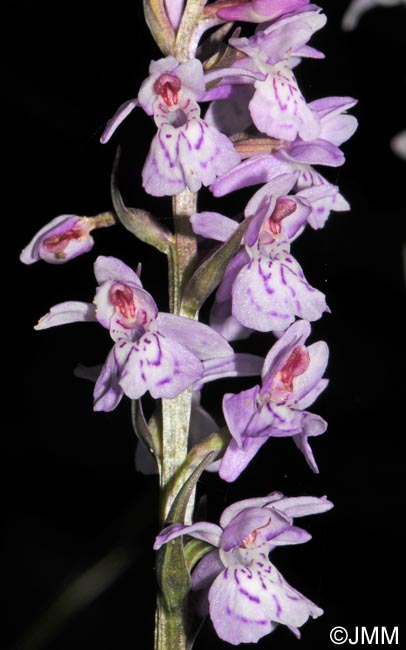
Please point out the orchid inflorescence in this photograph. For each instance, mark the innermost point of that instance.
(257, 130)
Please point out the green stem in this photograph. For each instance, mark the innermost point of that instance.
(183, 254)
(176, 412)
(170, 628)
(175, 424)
(171, 619)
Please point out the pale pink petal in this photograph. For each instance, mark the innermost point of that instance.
(235, 459)
(174, 9)
(303, 506)
(213, 225)
(67, 312)
(197, 337)
(306, 381)
(202, 530)
(111, 268)
(119, 116)
(255, 170)
(279, 353)
(107, 391)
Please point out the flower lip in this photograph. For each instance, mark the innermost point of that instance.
(177, 118)
(168, 86)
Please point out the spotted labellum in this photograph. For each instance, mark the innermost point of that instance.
(152, 350)
(247, 596)
(186, 151)
(291, 382)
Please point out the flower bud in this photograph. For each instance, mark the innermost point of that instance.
(64, 238)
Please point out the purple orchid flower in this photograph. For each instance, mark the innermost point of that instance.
(282, 216)
(186, 151)
(247, 595)
(299, 156)
(291, 381)
(263, 286)
(277, 107)
(257, 11)
(154, 351)
(62, 239)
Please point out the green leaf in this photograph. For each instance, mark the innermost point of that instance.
(198, 458)
(148, 434)
(178, 509)
(139, 222)
(215, 442)
(173, 575)
(194, 551)
(172, 571)
(172, 566)
(210, 273)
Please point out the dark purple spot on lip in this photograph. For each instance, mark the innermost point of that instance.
(165, 380)
(201, 138)
(254, 599)
(278, 607)
(278, 315)
(282, 275)
(243, 619)
(292, 597)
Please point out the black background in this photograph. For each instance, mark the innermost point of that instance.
(71, 490)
